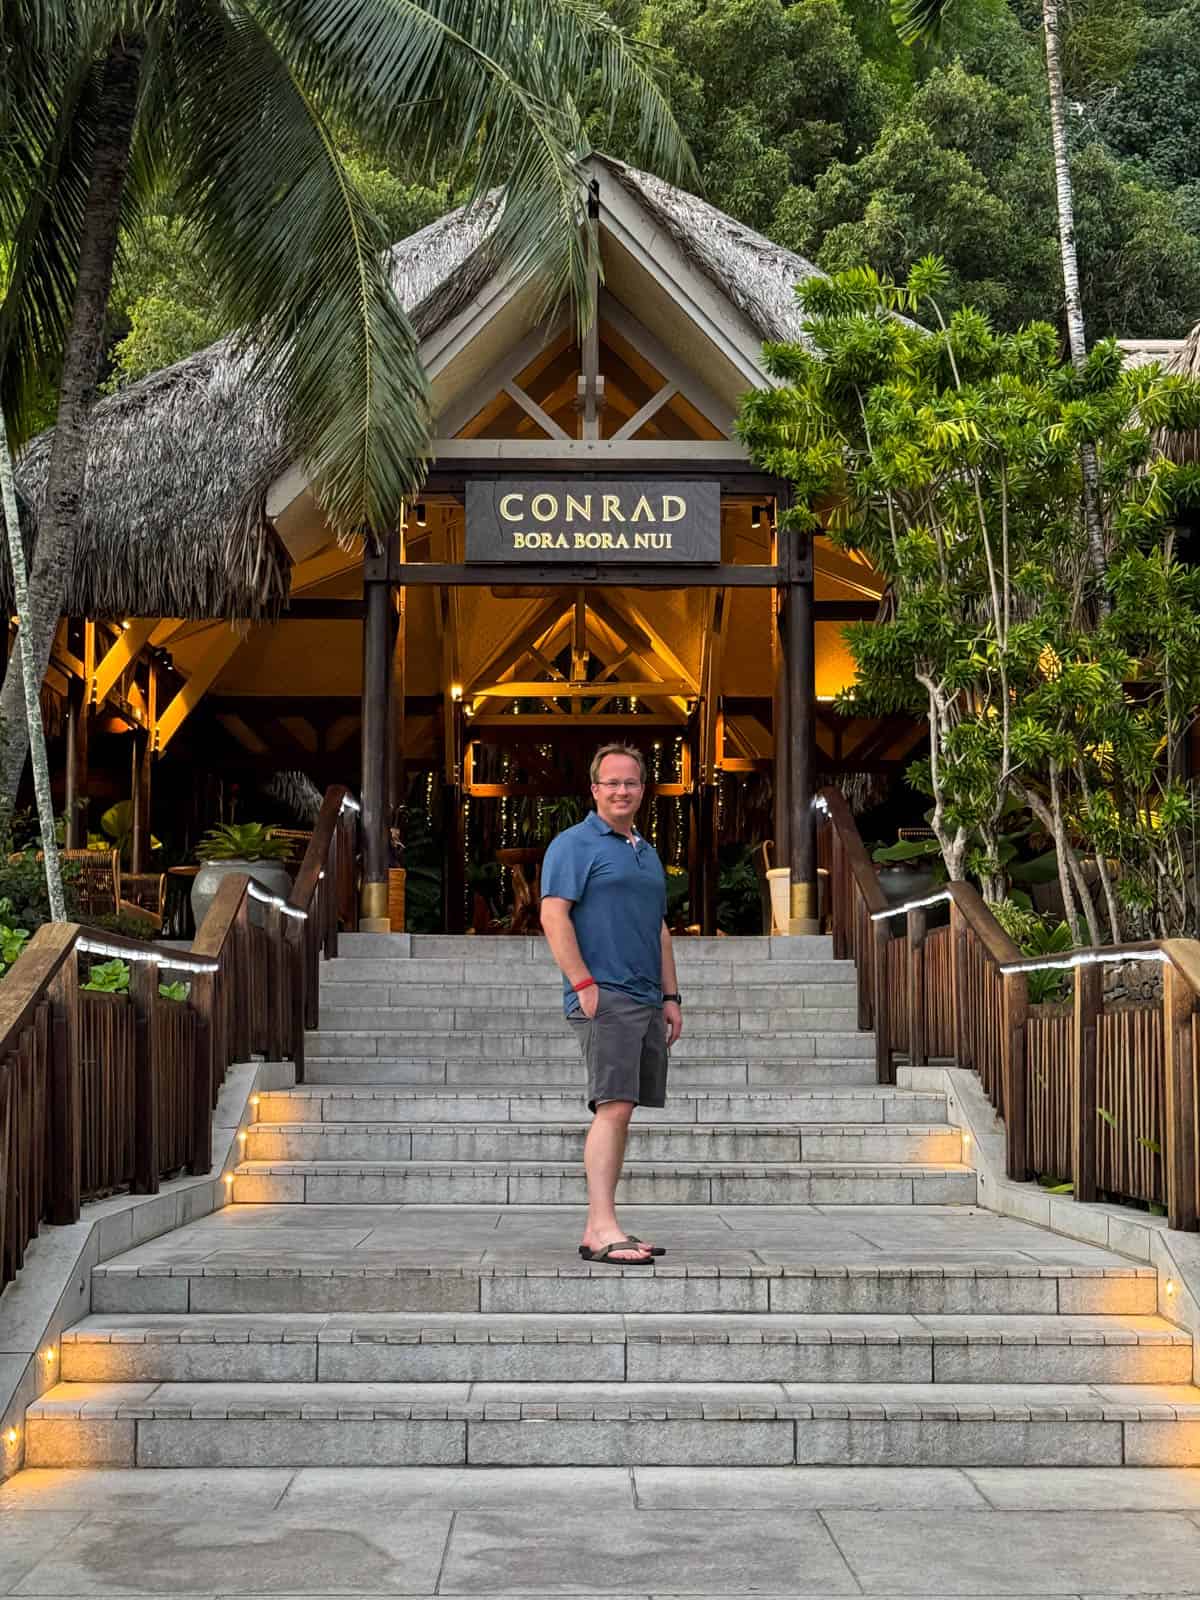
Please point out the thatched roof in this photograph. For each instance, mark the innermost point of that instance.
(1180, 358)
(180, 464)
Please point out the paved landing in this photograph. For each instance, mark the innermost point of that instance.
(614, 1532)
(548, 1237)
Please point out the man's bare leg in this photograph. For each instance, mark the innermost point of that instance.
(603, 1158)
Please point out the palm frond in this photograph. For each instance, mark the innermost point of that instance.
(297, 261)
(493, 85)
(919, 20)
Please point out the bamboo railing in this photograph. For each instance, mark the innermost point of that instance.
(107, 1092)
(1098, 1095)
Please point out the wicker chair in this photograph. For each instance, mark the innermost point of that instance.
(95, 875)
(142, 894)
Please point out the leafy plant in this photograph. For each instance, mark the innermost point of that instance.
(739, 896)
(242, 841)
(12, 940)
(678, 896)
(117, 825)
(906, 850)
(175, 991)
(108, 977)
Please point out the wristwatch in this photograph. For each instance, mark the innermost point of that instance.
(678, 999)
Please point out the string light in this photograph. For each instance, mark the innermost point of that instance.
(913, 905)
(265, 899)
(97, 947)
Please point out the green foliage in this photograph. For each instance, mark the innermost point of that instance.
(950, 459)
(12, 939)
(906, 850)
(739, 895)
(242, 841)
(108, 977)
(178, 990)
(678, 896)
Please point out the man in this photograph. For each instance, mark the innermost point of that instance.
(604, 901)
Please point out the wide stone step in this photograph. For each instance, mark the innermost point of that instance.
(526, 1142)
(522, 1075)
(617, 1424)
(483, 1021)
(545, 997)
(556, 1044)
(454, 1347)
(872, 1106)
(530, 947)
(414, 971)
(643, 1183)
(375, 1281)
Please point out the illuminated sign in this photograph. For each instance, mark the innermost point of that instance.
(603, 520)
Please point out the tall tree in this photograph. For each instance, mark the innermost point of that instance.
(237, 100)
(921, 19)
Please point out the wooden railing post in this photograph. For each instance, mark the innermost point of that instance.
(1089, 1000)
(917, 923)
(277, 1002)
(1179, 1107)
(958, 978)
(66, 1097)
(1015, 1005)
(297, 946)
(240, 975)
(204, 1073)
(143, 994)
(885, 1072)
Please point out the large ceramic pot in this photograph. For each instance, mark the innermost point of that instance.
(274, 878)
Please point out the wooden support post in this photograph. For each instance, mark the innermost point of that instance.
(782, 740)
(276, 964)
(885, 1071)
(958, 978)
(1015, 1004)
(298, 985)
(1179, 1109)
(66, 1097)
(143, 995)
(801, 686)
(708, 849)
(376, 734)
(918, 1053)
(139, 781)
(202, 1000)
(1089, 1002)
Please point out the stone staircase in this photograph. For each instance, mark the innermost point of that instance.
(397, 1283)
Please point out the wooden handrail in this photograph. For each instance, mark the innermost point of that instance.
(317, 853)
(984, 987)
(254, 988)
(833, 803)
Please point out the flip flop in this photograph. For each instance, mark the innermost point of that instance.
(605, 1255)
(654, 1249)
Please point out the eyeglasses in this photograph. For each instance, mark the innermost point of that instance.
(619, 783)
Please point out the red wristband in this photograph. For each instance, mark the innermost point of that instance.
(584, 983)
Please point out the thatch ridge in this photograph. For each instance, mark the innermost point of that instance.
(180, 463)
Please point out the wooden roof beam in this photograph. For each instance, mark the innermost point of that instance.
(220, 651)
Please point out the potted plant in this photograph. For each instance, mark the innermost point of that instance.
(239, 847)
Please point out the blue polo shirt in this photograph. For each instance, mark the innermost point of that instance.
(619, 892)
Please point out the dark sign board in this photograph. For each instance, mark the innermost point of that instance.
(614, 519)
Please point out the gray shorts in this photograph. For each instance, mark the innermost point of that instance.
(625, 1048)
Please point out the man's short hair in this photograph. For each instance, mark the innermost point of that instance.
(616, 750)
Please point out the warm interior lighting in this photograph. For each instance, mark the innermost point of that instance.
(1170, 1285)
(420, 514)
(126, 626)
(11, 1436)
(50, 1356)
(255, 1099)
(966, 1138)
(756, 516)
(456, 691)
(229, 1180)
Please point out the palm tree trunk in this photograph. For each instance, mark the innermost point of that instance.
(1070, 272)
(59, 523)
(30, 678)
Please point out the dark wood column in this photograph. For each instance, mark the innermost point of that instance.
(378, 579)
(782, 740)
(139, 785)
(801, 720)
(79, 718)
(454, 822)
